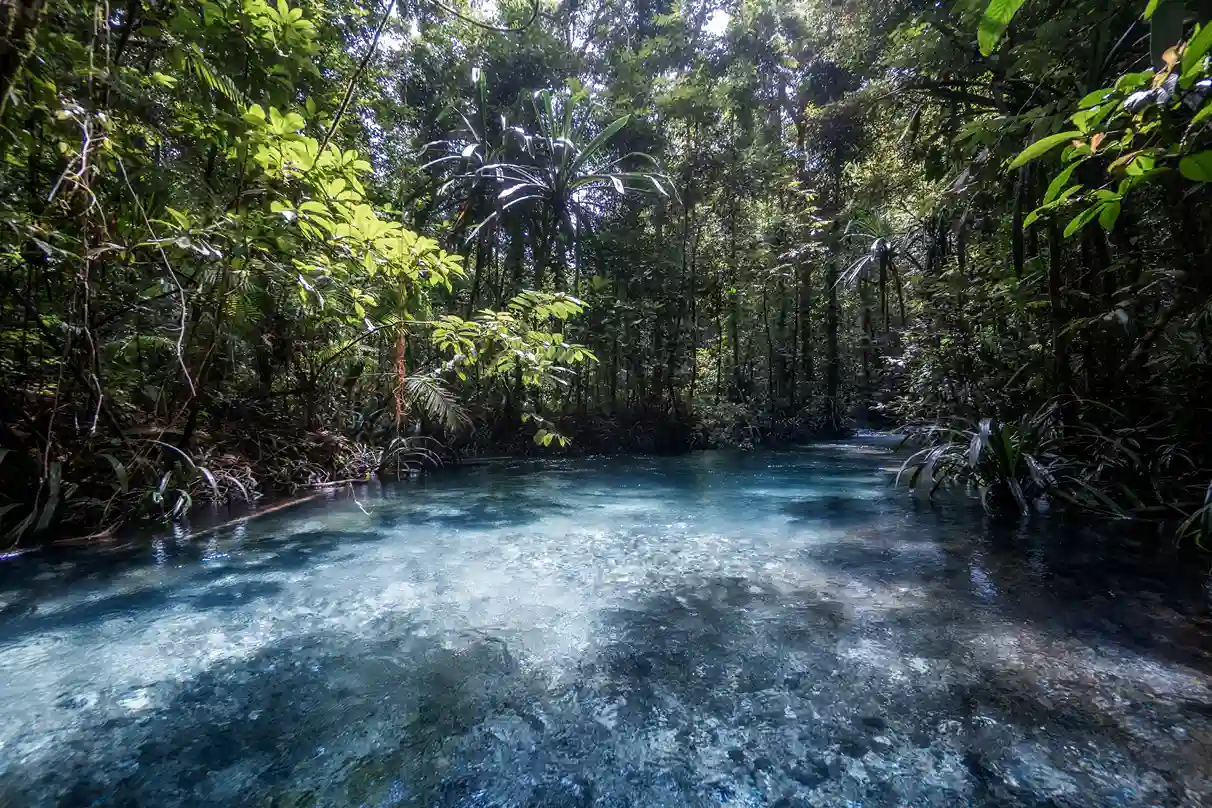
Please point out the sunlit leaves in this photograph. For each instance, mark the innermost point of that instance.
(994, 22)
(515, 340)
(1196, 49)
(1059, 183)
(1041, 147)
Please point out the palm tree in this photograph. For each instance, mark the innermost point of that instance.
(883, 248)
(558, 180)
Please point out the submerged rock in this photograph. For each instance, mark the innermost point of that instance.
(767, 630)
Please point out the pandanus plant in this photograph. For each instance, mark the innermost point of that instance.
(884, 248)
(554, 174)
(1011, 464)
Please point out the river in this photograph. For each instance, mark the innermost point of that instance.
(765, 629)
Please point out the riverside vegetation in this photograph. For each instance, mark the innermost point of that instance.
(251, 246)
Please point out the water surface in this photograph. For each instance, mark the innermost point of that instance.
(774, 629)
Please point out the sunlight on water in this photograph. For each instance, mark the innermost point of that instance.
(741, 630)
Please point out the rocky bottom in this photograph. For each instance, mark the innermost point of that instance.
(895, 659)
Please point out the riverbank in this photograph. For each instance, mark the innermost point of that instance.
(99, 488)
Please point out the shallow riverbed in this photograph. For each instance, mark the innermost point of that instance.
(773, 629)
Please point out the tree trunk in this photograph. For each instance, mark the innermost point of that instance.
(833, 370)
(865, 346)
(482, 248)
(1060, 360)
(806, 369)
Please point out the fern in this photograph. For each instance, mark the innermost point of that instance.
(428, 394)
(197, 64)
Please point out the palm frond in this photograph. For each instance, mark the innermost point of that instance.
(427, 394)
(197, 64)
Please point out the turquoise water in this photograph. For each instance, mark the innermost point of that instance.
(772, 629)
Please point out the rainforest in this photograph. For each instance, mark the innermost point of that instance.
(604, 403)
(254, 247)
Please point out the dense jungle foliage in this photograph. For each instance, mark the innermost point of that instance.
(252, 245)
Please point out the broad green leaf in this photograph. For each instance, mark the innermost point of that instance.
(598, 142)
(1084, 218)
(1197, 167)
(1041, 147)
(1141, 165)
(1095, 98)
(1109, 215)
(1150, 8)
(994, 22)
(255, 114)
(1133, 81)
(1088, 119)
(1193, 54)
(1059, 182)
(1204, 112)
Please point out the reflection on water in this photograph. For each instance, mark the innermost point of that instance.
(728, 630)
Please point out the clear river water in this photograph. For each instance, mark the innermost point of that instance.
(765, 629)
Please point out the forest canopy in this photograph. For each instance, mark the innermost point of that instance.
(252, 246)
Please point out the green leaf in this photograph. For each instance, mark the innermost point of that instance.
(1204, 112)
(598, 142)
(1041, 147)
(1130, 82)
(996, 19)
(1141, 165)
(1193, 54)
(1095, 98)
(1058, 183)
(1149, 9)
(1109, 215)
(255, 114)
(1197, 167)
(1084, 218)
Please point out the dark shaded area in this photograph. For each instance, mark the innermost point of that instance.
(765, 660)
(204, 585)
(1091, 582)
(252, 728)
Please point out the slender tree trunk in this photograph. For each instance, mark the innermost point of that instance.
(1060, 359)
(769, 350)
(806, 369)
(833, 370)
(516, 257)
(781, 379)
(866, 334)
(734, 311)
(1017, 248)
(482, 247)
(719, 339)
